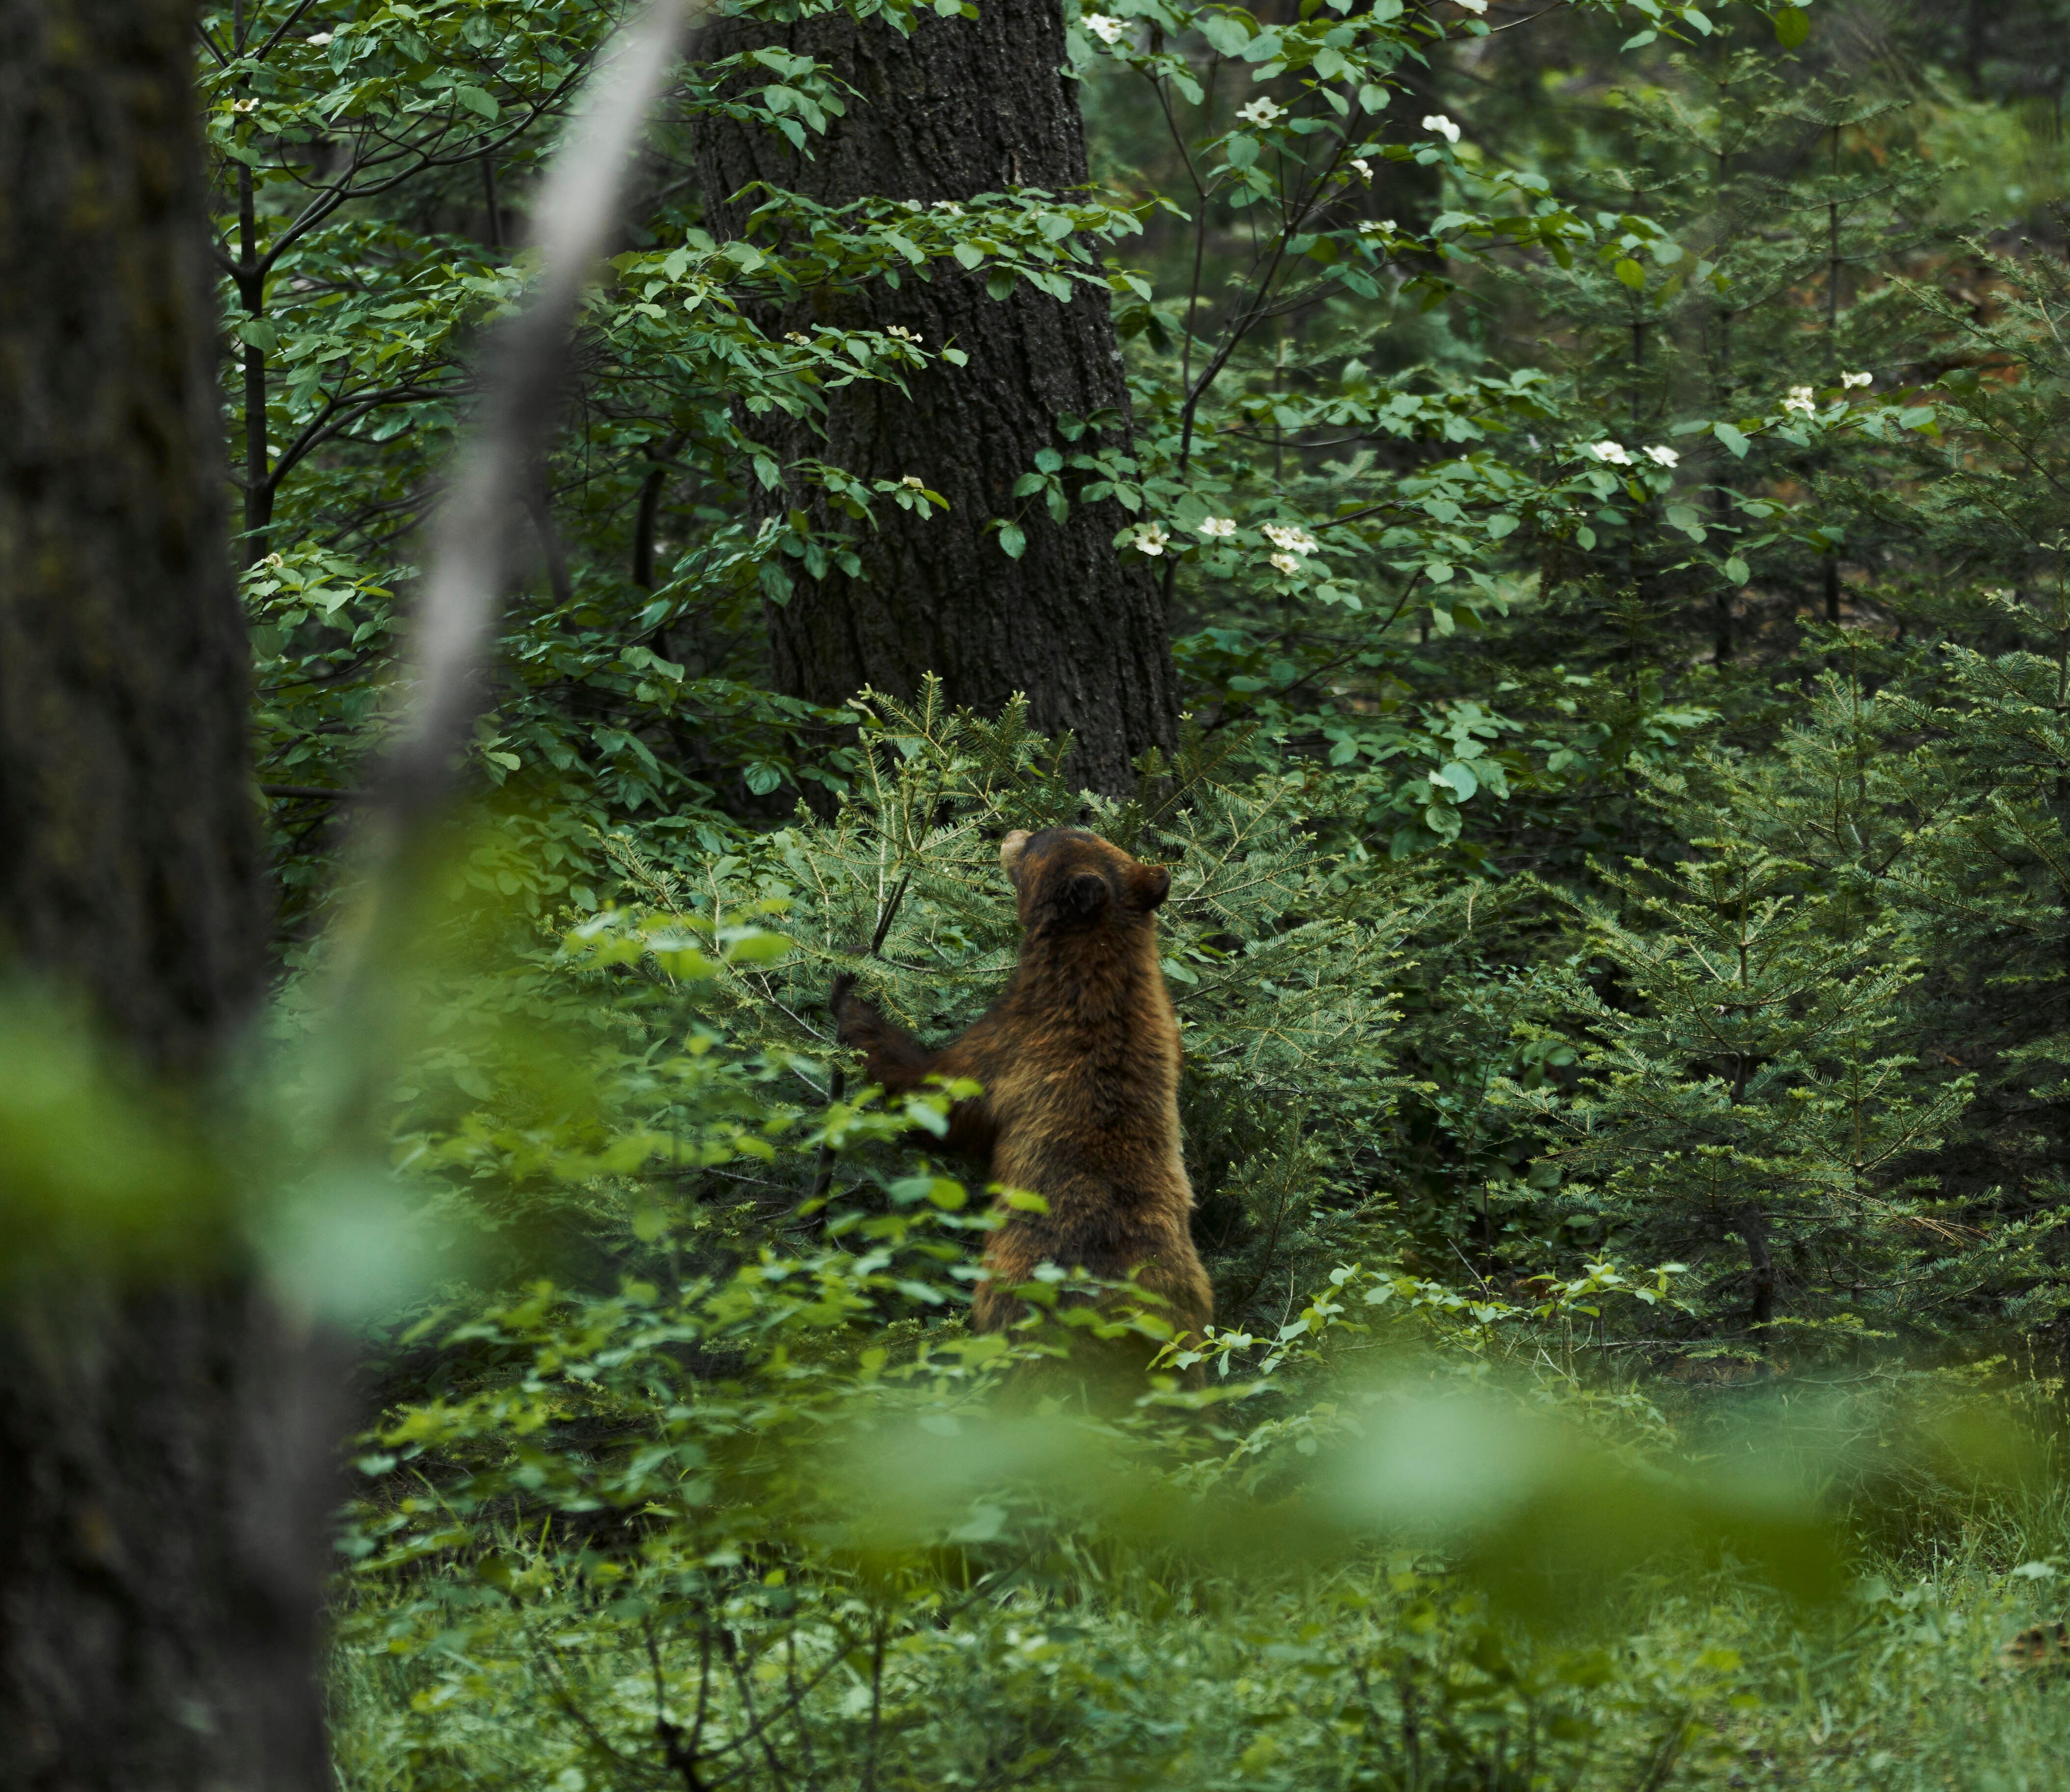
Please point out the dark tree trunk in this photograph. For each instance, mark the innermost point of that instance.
(160, 1520)
(961, 107)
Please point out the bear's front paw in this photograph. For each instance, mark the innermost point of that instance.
(852, 1014)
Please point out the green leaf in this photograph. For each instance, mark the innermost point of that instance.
(1734, 443)
(1630, 273)
(1792, 25)
(1738, 571)
(1462, 779)
(1012, 540)
(477, 101)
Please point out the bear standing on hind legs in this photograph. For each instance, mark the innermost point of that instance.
(1079, 1058)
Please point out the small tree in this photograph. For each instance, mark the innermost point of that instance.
(1748, 1102)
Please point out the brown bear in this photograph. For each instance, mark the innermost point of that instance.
(1079, 1058)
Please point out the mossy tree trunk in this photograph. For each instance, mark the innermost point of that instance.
(962, 107)
(162, 1488)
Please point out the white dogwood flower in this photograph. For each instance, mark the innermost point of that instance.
(1443, 126)
(1215, 528)
(1294, 541)
(1849, 380)
(1612, 452)
(1801, 399)
(1286, 562)
(1150, 539)
(1664, 457)
(1106, 30)
(1261, 112)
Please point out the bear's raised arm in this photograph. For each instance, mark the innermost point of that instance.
(900, 1064)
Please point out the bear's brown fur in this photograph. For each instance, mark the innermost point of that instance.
(1079, 1058)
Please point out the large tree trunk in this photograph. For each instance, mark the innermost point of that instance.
(161, 1476)
(961, 107)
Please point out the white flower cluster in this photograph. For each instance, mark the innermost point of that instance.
(1150, 539)
(1801, 399)
(1617, 455)
(1106, 30)
(950, 207)
(1215, 528)
(1848, 381)
(1364, 169)
(903, 333)
(915, 481)
(1474, 6)
(317, 39)
(1261, 112)
(1369, 226)
(1294, 541)
(1443, 126)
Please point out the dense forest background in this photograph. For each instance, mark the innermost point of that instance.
(1549, 519)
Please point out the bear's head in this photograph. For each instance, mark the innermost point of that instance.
(1065, 879)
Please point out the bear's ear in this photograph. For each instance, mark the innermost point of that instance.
(1149, 885)
(1086, 895)
(1009, 849)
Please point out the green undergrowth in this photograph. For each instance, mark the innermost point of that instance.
(1378, 1670)
(690, 1473)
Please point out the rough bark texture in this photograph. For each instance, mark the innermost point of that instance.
(132, 856)
(161, 1497)
(961, 107)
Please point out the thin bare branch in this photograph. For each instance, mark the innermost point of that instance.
(575, 213)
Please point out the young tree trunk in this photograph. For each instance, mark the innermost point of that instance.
(163, 1481)
(962, 107)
